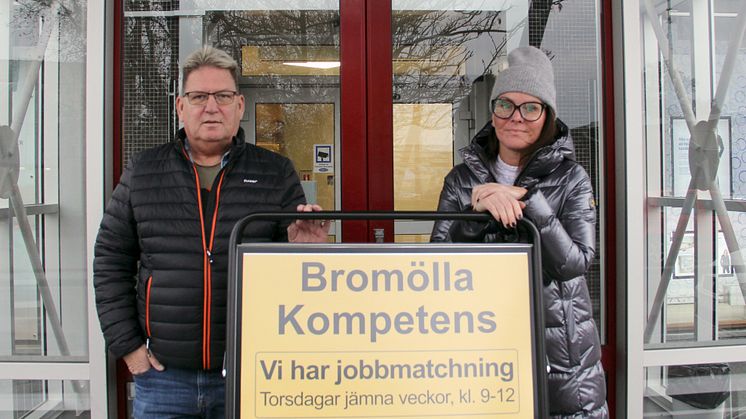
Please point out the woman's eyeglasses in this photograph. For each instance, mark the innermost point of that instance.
(223, 97)
(530, 111)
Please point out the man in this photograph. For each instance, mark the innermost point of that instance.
(160, 268)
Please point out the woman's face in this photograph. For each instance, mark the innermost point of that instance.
(515, 134)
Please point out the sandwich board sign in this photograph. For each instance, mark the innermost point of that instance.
(385, 331)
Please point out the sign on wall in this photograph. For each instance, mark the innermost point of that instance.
(323, 158)
(371, 331)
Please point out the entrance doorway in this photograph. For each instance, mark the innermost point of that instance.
(389, 90)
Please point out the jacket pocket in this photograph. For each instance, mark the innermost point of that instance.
(572, 334)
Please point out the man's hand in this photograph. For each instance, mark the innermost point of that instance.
(308, 231)
(502, 201)
(141, 360)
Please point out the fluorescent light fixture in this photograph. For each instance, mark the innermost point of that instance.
(314, 64)
(677, 13)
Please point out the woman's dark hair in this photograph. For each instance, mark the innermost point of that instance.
(547, 136)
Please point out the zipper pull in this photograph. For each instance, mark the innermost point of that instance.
(147, 347)
(209, 256)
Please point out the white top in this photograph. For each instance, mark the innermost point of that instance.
(506, 173)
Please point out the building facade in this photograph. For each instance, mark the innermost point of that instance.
(372, 100)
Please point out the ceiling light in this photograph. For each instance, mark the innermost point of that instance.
(314, 64)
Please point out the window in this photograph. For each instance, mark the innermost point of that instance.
(43, 242)
(691, 57)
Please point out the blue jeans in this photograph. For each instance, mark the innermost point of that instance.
(177, 393)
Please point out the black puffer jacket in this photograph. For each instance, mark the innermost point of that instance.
(560, 202)
(178, 298)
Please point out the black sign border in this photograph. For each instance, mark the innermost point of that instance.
(232, 365)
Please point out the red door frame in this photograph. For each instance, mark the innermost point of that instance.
(380, 144)
(123, 375)
(353, 124)
(367, 112)
(609, 351)
(367, 148)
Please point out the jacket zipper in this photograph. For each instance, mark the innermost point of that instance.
(147, 308)
(210, 260)
(207, 261)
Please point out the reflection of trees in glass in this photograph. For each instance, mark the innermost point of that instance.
(454, 48)
(437, 54)
(231, 30)
(26, 16)
(430, 48)
(538, 14)
(282, 35)
(149, 73)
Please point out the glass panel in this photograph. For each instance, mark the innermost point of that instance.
(423, 151)
(680, 316)
(42, 248)
(287, 48)
(26, 316)
(42, 399)
(728, 14)
(445, 57)
(443, 63)
(696, 391)
(303, 132)
(289, 57)
(731, 305)
(694, 95)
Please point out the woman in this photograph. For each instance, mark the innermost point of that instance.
(523, 164)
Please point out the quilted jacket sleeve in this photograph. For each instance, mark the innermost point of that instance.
(448, 202)
(114, 269)
(567, 238)
(452, 196)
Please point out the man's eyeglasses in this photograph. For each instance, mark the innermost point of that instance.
(223, 97)
(530, 111)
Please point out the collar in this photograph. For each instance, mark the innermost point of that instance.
(223, 160)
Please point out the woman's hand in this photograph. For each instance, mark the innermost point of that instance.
(502, 201)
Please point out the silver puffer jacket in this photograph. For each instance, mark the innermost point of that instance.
(560, 203)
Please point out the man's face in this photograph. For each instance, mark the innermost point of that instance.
(210, 123)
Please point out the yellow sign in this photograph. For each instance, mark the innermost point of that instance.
(386, 335)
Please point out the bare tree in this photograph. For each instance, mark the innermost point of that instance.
(27, 16)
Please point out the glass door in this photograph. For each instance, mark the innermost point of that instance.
(289, 56)
(444, 57)
(290, 62)
(302, 125)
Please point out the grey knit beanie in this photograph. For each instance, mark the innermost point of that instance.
(529, 71)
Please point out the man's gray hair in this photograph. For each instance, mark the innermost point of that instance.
(208, 56)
